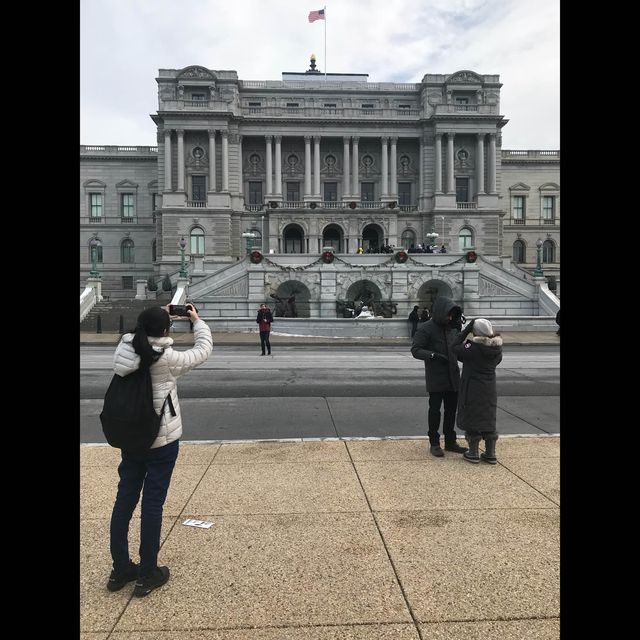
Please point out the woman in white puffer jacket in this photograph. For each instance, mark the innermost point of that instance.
(150, 346)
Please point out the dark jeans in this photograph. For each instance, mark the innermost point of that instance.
(450, 399)
(152, 470)
(264, 340)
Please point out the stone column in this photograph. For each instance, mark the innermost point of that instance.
(180, 133)
(421, 169)
(240, 178)
(345, 167)
(278, 177)
(438, 184)
(225, 160)
(307, 166)
(167, 160)
(269, 169)
(480, 164)
(451, 182)
(492, 163)
(385, 168)
(393, 186)
(212, 159)
(316, 166)
(356, 169)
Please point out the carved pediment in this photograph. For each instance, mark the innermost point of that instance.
(549, 186)
(196, 73)
(519, 186)
(126, 184)
(466, 77)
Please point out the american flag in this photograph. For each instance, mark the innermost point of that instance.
(316, 15)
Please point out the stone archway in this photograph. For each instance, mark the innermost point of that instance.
(372, 238)
(332, 236)
(293, 239)
(299, 306)
(430, 290)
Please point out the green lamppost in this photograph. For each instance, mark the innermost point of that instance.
(537, 272)
(94, 244)
(249, 236)
(183, 267)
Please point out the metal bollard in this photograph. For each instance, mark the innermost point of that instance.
(98, 324)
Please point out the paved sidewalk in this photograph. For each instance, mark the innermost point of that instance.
(253, 338)
(336, 540)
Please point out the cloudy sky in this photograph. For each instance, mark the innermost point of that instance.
(123, 43)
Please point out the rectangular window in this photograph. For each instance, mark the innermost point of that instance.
(548, 208)
(330, 191)
(198, 97)
(462, 100)
(518, 209)
(404, 193)
(293, 191)
(404, 106)
(255, 192)
(154, 202)
(293, 107)
(127, 282)
(254, 107)
(127, 208)
(367, 109)
(330, 107)
(462, 189)
(95, 205)
(199, 188)
(366, 191)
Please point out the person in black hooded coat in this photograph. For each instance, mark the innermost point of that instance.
(477, 396)
(432, 343)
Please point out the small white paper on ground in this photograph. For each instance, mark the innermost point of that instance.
(190, 522)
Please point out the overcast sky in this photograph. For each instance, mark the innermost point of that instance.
(123, 43)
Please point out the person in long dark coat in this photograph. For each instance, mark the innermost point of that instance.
(432, 343)
(413, 319)
(477, 396)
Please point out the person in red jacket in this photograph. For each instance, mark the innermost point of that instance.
(264, 320)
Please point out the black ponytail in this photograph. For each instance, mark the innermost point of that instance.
(153, 322)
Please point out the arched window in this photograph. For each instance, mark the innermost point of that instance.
(408, 238)
(154, 254)
(196, 238)
(548, 251)
(127, 255)
(98, 252)
(465, 238)
(519, 251)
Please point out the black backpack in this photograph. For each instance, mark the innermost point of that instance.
(129, 421)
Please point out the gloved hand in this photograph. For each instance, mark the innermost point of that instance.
(469, 328)
(439, 356)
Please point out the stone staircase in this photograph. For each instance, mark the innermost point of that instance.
(110, 311)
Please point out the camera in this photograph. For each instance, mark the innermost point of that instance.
(179, 310)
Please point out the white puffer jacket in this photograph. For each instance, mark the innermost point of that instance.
(164, 372)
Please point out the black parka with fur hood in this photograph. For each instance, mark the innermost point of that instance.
(436, 336)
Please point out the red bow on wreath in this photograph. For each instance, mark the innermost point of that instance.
(327, 257)
(401, 256)
(472, 256)
(255, 257)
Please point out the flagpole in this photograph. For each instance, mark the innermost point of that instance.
(325, 42)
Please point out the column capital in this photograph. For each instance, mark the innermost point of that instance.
(224, 134)
(355, 139)
(316, 138)
(451, 135)
(346, 139)
(167, 132)
(384, 139)
(277, 139)
(307, 139)
(481, 136)
(438, 136)
(180, 132)
(268, 139)
(394, 139)
(212, 133)
(492, 136)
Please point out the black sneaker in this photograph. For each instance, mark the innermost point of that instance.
(118, 580)
(436, 450)
(144, 586)
(455, 447)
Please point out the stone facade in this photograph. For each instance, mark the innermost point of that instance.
(306, 163)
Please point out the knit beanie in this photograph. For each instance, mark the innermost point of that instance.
(482, 327)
